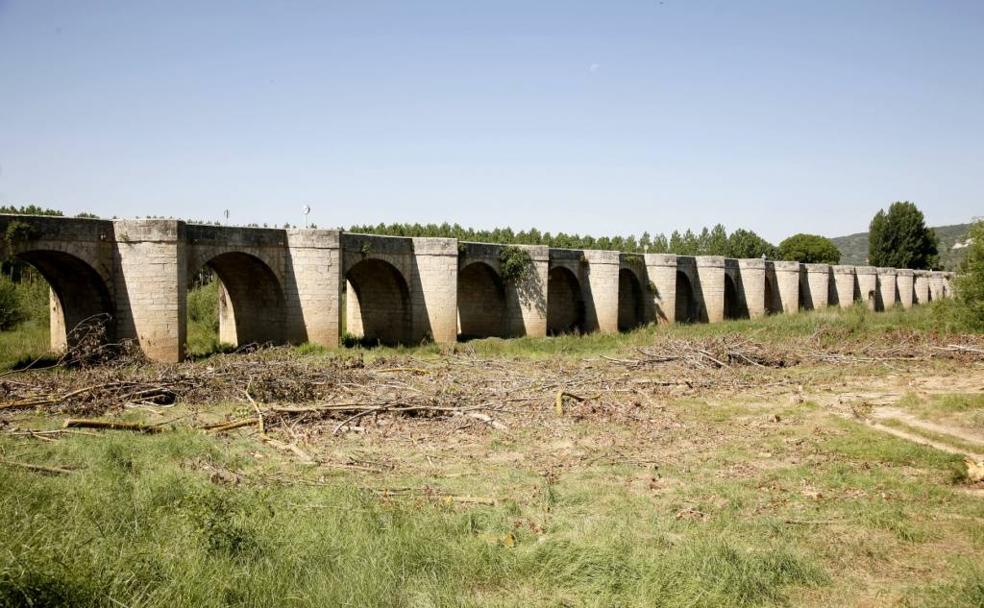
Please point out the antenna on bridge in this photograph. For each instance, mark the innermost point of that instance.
(307, 211)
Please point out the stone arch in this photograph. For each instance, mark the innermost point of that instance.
(686, 301)
(565, 305)
(251, 300)
(481, 302)
(78, 291)
(631, 305)
(732, 303)
(377, 304)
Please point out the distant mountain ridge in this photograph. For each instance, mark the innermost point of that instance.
(854, 247)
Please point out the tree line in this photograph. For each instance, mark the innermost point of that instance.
(898, 238)
(714, 241)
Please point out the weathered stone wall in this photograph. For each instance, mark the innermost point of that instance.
(845, 289)
(921, 286)
(710, 273)
(599, 277)
(313, 286)
(886, 288)
(948, 284)
(287, 285)
(904, 281)
(662, 271)
(785, 278)
(151, 286)
(868, 285)
(525, 298)
(815, 285)
(435, 287)
(75, 257)
(935, 285)
(751, 286)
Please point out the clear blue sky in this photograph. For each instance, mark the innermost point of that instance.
(600, 117)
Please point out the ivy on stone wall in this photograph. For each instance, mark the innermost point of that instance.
(514, 263)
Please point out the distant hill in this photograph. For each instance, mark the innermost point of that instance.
(854, 247)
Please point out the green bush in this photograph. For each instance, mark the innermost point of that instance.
(203, 305)
(515, 263)
(970, 281)
(11, 312)
(809, 249)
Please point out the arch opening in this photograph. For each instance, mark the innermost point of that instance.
(78, 295)
(235, 299)
(732, 303)
(631, 311)
(377, 304)
(481, 303)
(565, 306)
(772, 304)
(686, 303)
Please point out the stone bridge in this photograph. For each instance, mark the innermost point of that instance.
(294, 286)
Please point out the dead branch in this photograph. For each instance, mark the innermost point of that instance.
(111, 425)
(37, 467)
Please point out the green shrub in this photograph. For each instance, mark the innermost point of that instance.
(203, 305)
(515, 263)
(11, 312)
(970, 281)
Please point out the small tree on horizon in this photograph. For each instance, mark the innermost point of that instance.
(809, 249)
(899, 238)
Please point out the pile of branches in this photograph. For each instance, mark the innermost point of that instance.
(897, 346)
(711, 353)
(89, 345)
(278, 387)
(97, 389)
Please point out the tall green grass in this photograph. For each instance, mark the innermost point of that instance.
(24, 320)
(144, 524)
(832, 326)
(203, 320)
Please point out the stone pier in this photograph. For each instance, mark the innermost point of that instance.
(844, 285)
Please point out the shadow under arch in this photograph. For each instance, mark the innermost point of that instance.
(251, 300)
(79, 293)
(565, 306)
(772, 304)
(732, 303)
(687, 310)
(631, 305)
(377, 304)
(481, 303)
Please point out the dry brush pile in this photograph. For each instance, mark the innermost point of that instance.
(278, 387)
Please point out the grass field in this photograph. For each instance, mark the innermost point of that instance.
(663, 484)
